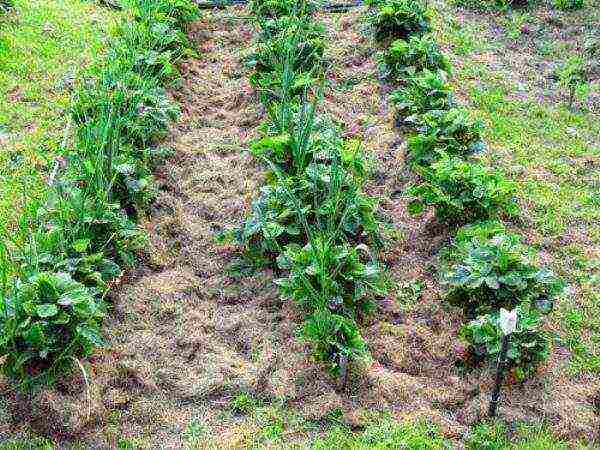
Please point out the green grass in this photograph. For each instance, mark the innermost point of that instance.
(495, 436)
(275, 428)
(44, 44)
(385, 435)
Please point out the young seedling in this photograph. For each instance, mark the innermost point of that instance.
(508, 324)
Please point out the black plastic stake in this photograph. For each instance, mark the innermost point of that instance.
(499, 376)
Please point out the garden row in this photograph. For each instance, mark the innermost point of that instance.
(312, 222)
(487, 269)
(71, 245)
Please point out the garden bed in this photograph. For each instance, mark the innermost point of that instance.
(203, 355)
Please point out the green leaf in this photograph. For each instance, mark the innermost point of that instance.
(61, 319)
(47, 310)
(492, 282)
(92, 335)
(81, 245)
(80, 295)
(479, 191)
(416, 207)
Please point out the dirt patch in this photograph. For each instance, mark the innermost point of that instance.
(187, 337)
(524, 48)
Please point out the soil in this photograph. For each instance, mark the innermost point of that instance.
(188, 335)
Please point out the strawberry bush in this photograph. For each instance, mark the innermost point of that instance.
(399, 19)
(529, 345)
(406, 58)
(282, 8)
(426, 91)
(453, 132)
(462, 192)
(488, 268)
(492, 269)
(82, 233)
(311, 221)
(48, 318)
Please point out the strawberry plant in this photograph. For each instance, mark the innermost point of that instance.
(323, 194)
(424, 92)
(405, 58)
(529, 345)
(315, 179)
(292, 134)
(175, 13)
(462, 192)
(44, 321)
(279, 8)
(491, 269)
(5, 5)
(452, 132)
(129, 108)
(94, 270)
(311, 219)
(288, 59)
(297, 40)
(399, 19)
(71, 214)
(149, 48)
(83, 229)
(326, 275)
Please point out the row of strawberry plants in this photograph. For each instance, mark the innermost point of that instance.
(487, 268)
(312, 221)
(72, 244)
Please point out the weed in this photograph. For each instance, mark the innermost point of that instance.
(410, 293)
(496, 436)
(244, 404)
(487, 5)
(5, 5)
(288, 57)
(336, 340)
(515, 24)
(572, 76)
(385, 434)
(566, 5)
(194, 431)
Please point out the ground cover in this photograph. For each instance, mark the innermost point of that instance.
(203, 356)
